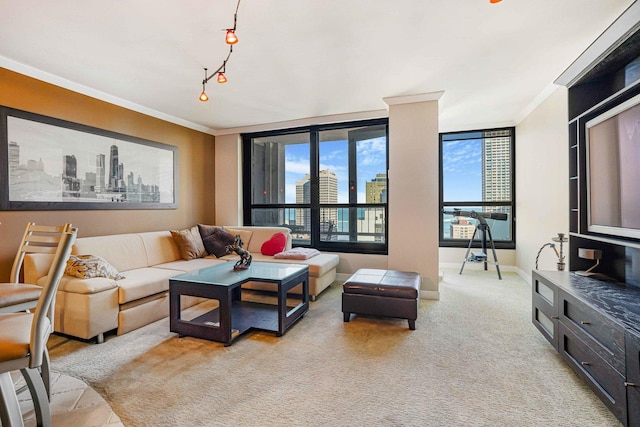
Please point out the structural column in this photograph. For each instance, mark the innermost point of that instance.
(228, 173)
(413, 187)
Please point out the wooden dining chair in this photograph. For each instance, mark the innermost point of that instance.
(23, 344)
(16, 296)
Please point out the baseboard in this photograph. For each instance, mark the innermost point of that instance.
(432, 295)
(342, 276)
(478, 266)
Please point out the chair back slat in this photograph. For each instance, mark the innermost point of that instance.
(40, 250)
(49, 228)
(37, 239)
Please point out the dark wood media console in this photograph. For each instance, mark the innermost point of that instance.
(593, 325)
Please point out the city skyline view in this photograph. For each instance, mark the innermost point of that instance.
(371, 161)
(52, 163)
(476, 170)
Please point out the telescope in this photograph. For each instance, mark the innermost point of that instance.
(484, 228)
(480, 216)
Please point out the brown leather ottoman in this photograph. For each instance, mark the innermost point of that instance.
(385, 293)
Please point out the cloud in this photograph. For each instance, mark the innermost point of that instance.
(372, 152)
(462, 156)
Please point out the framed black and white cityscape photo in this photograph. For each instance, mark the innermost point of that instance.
(51, 164)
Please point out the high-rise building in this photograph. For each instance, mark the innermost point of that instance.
(328, 193)
(303, 195)
(376, 189)
(70, 164)
(113, 168)
(462, 228)
(99, 188)
(14, 156)
(269, 181)
(70, 181)
(496, 166)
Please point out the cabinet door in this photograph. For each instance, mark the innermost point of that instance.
(632, 345)
(545, 308)
(577, 349)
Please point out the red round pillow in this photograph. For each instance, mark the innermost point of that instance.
(274, 245)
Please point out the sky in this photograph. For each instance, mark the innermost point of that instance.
(371, 160)
(462, 170)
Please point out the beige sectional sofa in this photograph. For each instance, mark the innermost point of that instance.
(87, 308)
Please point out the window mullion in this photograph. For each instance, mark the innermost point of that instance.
(314, 168)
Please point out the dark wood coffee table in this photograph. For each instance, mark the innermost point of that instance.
(233, 316)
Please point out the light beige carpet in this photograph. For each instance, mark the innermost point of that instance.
(475, 359)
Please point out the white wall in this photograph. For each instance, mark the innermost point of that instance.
(228, 181)
(542, 182)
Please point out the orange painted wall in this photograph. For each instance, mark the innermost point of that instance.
(195, 165)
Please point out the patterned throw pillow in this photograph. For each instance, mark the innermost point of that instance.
(88, 266)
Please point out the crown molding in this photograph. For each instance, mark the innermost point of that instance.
(46, 77)
(319, 120)
(411, 99)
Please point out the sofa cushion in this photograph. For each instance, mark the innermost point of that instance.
(88, 266)
(83, 286)
(215, 239)
(123, 251)
(189, 243)
(275, 244)
(143, 282)
(262, 234)
(159, 247)
(194, 264)
(297, 253)
(318, 265)
(245, 235)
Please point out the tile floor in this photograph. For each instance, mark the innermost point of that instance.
(73, 404)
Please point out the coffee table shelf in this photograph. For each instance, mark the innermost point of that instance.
(233, 316)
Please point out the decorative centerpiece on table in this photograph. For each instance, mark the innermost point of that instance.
(245, 256)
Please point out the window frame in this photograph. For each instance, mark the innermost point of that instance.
(464, 243)
(379, 248)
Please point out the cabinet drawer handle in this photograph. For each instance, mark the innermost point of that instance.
(585, 323)
(630, 384)
(585, 363)
(555, 317)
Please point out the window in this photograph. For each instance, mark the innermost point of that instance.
(477, 174)
(328, 184)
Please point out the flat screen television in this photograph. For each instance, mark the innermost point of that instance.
(613, 170)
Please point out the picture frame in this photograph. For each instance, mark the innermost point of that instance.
(53, 164)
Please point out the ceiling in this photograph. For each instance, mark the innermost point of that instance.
(304, 59)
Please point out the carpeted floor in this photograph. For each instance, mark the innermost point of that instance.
(475, 359)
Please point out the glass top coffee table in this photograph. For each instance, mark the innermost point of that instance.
(233, 316)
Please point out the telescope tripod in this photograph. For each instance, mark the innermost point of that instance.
(485, 230)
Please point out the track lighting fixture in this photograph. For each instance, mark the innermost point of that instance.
(230, 39)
